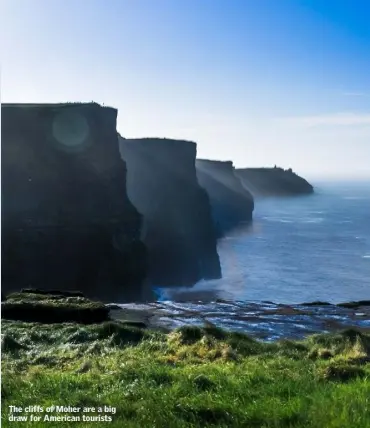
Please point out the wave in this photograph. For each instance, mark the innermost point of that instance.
(297, 220)
(355, 198)
(278, 220)
(312, 220)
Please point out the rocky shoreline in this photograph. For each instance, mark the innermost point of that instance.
(263, 320)
(266, 321)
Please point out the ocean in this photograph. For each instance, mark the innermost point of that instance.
(298, 249)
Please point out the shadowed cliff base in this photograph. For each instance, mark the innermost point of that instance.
(178, 229)
(273, 182)
(231, 203)
(66, 219)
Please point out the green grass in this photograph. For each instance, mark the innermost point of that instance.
(191, 377)
(52, 300)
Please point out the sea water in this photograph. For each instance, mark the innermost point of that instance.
(298, 249)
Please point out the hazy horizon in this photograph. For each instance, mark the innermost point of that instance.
(256, 82)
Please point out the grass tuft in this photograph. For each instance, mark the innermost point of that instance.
(341, 372)
(8, 344)
(189, 334)
(203, 383)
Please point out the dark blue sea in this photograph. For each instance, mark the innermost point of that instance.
(299, 249)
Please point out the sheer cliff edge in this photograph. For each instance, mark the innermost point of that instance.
(232, 204)
(67, 222)
(178, 228)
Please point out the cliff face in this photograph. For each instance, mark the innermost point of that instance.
(273, 182)
(231, 202)
(67, 221)
(178, 229)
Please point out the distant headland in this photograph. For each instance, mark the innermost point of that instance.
(274, 181)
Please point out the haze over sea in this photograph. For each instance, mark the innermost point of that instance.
(299, 249)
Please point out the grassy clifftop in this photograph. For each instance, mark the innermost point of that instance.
(191, 377)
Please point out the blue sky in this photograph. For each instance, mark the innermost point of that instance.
(259, 82)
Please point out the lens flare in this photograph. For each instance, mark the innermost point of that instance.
(71, 131)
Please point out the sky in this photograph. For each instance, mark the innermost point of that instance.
(258, 82)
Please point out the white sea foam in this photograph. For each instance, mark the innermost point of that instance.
(312, 220)
(355, 198)
(278, 220)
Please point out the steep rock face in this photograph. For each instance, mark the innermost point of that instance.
(178, 229)
(67, 222)
(273, 182)
(231, 202)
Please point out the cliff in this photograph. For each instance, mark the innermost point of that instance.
(178, 229)
(273, 182)
(231, 203)
(67, 222)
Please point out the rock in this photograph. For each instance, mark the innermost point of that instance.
(316, 303)
(178, 229)
(50, 309)
(354, 304)
(67, 220)
(114, 307)
(273, 182)
(231, 203)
